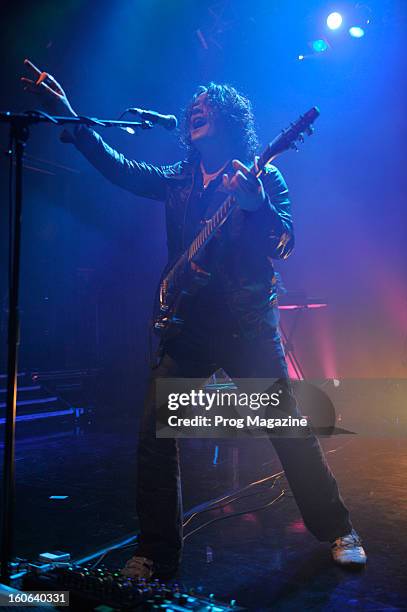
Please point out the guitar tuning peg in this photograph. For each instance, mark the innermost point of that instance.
(301, 137)
(294, 146)
(310, 130)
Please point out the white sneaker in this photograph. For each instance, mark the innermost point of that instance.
(138, 567)
(348, 550)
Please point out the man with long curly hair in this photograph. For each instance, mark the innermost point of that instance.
(232, 322)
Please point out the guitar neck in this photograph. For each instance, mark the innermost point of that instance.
(210, 227)
(208, 231)
(217, 219)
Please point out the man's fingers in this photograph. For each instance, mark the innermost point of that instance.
(226, 182)
(256, 163)
(49, 90)
(55, 85)
(48, 80)
(241, 182)
(42, 76)
(27, 81)
(244, 171)
(244, 183)
(29, 85)
(33, 68)
(239, 166)
(42, 88)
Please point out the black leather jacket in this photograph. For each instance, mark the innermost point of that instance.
(243, 283)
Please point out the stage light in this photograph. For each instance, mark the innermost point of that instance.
(334, 21)
(319, 45)
(356, 32)
(301, 57)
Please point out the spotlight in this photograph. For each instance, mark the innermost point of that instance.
(301, 57)
(320, 45)
(356, 32)
(334, 21)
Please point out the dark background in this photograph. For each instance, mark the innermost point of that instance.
(92, 254)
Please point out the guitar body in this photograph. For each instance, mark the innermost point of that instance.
(182, 280)
(173, 305)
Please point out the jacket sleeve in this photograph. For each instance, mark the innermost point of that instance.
(273, 221)
(142, 179)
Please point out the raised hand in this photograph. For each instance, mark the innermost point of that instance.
(246, 187)
(49, 91)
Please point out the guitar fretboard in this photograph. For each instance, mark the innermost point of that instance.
(204, 236)
(211, 225)
(207, 232)
(219, 217)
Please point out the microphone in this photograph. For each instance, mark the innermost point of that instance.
(170, 122)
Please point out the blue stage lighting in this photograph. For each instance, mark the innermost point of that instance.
(334, 21)
(356, 32)
(319, 45)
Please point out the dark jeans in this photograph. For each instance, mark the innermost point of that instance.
(159, 504)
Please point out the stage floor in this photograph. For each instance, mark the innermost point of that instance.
(264, 559)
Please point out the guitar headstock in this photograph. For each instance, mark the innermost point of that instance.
(289, 137)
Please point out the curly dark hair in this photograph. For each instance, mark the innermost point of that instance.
(236, 113)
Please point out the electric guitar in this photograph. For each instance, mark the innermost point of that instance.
(185, 276)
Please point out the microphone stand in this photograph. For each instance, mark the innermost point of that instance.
(19, 132)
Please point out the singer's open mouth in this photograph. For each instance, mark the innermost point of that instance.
(198, 122)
